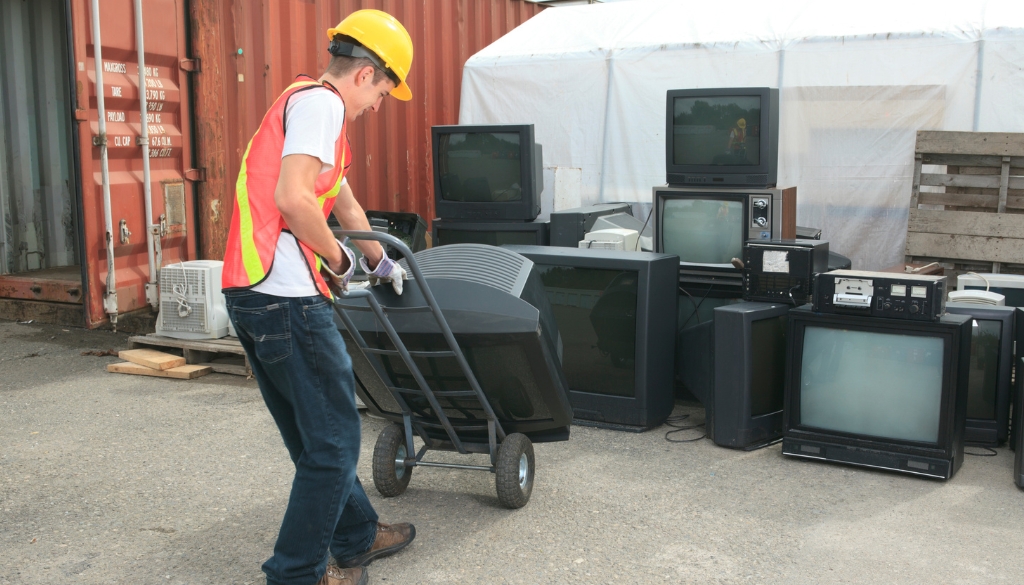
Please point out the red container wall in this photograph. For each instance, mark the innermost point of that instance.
(170, 150)
(251, 50)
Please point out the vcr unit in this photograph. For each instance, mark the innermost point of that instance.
(782, 271)
(881, 294)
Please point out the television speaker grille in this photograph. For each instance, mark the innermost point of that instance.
(487, 265)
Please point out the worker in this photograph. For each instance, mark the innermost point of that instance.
(738, 140)
(282, 267)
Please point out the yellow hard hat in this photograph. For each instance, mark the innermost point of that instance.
(741, 123)
(382, 35)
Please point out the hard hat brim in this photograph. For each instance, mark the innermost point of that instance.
(402, 92)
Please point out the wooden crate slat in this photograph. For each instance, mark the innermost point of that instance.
(980, 200)
(964, 160)
(977, 143)
(975, 181)
(967, 223)
(960, 247)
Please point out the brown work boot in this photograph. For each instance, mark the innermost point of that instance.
(339, 576)
(390, 539)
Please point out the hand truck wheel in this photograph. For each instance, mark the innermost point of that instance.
(390, 473)
(514, 471)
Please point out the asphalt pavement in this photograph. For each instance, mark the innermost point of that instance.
(111, 478)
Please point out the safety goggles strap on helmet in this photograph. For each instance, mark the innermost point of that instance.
(343, 49)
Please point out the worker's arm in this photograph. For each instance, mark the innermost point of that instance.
(295, 198)
(352, 217)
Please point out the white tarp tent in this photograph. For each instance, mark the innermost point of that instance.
(857, 80)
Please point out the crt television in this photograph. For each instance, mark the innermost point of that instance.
(487, 172)
(492, 233)
(568, 226)
(615, 314)
(745, 408)
(877, 392)
(707, 228)
(1010, 286)
(496, 307)
(988, 388)
(722, 137)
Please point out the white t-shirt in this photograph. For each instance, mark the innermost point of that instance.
(313, 121)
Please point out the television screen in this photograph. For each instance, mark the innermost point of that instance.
(703, 231)
(716, 130)
(480, 167)
(872, 383)
(981, 392)
(596, 313)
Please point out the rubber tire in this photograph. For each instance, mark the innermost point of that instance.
(506, 474)
(385, 474)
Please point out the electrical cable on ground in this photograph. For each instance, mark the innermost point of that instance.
(677, 427)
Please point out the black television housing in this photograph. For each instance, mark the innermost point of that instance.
(699, 296)
(876, 392)
(492, 233)
(745, 409)
(988, 393)
(496, 307)
(615, 312)
(707, 228)
(495, 175)
(569, 226)
(1018, 443)
(709, 147)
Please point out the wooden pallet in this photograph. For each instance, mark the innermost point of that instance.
(223, 355)
(975, 223)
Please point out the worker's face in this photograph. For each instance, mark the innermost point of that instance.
(369, 95)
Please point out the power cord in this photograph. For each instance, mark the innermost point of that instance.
(696, 306)
(180, 292)
(677, 427)
(991, 451)
(641, 234)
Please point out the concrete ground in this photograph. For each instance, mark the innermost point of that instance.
(109, 478)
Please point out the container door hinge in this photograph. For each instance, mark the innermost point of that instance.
(196, 175)
(191, 65)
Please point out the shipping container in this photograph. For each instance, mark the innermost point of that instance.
(250, 51)
(73, 194)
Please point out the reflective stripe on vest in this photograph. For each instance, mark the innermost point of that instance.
(257, 224)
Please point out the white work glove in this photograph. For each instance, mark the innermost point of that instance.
(387, 271)
(340, 282)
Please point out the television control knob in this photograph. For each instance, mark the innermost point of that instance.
(914, 309)
(760, 204)
(761, 221)
(887, 306)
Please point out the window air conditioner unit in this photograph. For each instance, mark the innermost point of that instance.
(611, 239)
(191, 303)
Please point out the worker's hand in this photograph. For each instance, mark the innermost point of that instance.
(340, 281)
(387, 270)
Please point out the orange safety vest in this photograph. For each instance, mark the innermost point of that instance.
(256, 223)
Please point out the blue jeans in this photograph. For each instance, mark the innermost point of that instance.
(305, 375)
